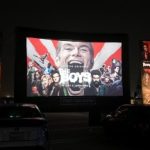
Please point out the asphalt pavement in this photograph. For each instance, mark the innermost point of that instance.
(71, 131)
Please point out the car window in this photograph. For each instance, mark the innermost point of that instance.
(20, 112)
(122, 108)
(122, 113)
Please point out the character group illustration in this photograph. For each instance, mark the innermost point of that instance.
(73, 69)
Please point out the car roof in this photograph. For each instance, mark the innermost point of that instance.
(19, 105)
(142, 106)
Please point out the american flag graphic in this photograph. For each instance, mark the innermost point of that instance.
(104, 52)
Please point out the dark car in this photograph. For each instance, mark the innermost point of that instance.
(128, 119)
(22, 125)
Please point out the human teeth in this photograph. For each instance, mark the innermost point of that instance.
(75, 61)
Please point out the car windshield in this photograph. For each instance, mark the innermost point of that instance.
(122, 108)
(19, 112)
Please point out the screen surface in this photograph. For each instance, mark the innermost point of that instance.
(73, 68)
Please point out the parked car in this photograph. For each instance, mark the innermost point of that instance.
(128, 119)
(22, 125)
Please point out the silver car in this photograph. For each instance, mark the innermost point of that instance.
(22, 125)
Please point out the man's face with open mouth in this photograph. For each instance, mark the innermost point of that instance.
(75, 53)
(75, 56)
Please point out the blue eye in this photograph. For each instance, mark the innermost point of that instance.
(69, 48)
(83, 49)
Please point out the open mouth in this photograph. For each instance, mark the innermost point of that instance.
(75, 67)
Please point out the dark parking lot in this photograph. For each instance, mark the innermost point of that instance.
(70, 131)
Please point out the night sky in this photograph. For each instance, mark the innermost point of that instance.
(117, 16)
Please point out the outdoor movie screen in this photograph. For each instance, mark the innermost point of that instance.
(73, 68)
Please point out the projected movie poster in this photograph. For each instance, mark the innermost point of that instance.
(73, 68)
(146, 72)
